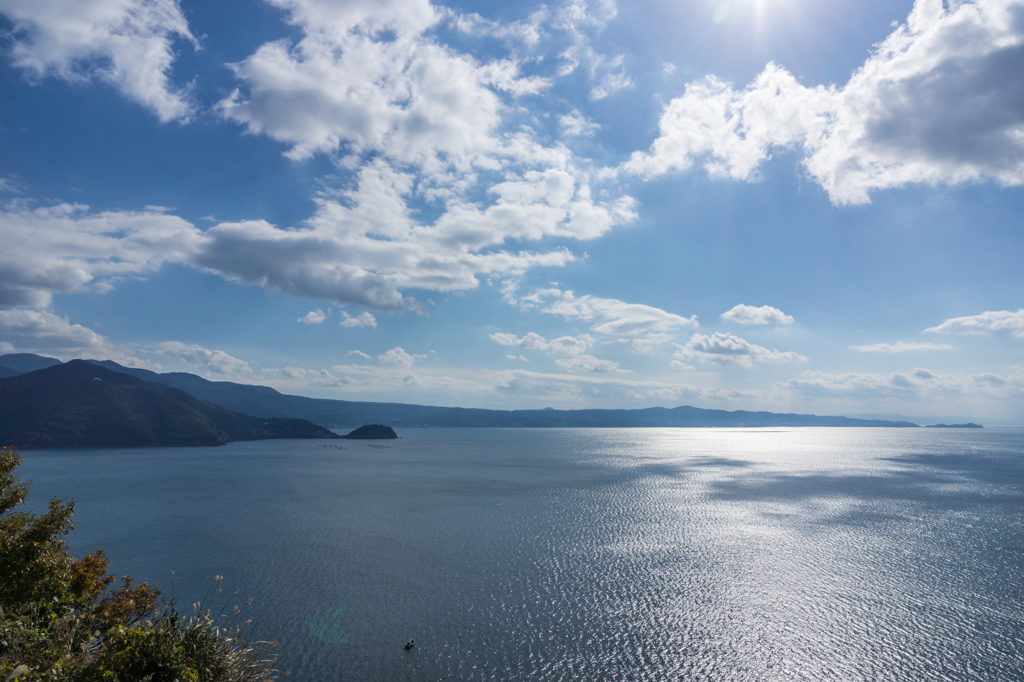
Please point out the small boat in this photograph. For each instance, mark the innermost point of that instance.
(410, 644)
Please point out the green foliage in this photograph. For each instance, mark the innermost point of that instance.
(61, 621)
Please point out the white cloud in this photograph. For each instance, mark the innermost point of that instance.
(367, 79)
(992, 322)
(644, 345)
(36, 331)
(365, 251)
(727, 349)
(127, 43)
(901, 347)
(313, 378)
(611, 82)
(313, 317)
(676, 364)
(520, 358)
(527, 32)
(610, 316)
(398, 356)
(360, 354)
(580, 21)
(414, 100)
(562, 347)
(65, 249)
(920, 384)
(362, 254)
(360, 320)
(210, 361)
(569, 351)
(748, 314)
(588, 363)
(935, 103)
(575, 124)
(370, 84)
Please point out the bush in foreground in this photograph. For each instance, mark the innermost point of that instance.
(62, 620)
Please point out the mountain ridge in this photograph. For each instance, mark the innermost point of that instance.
(263, 401)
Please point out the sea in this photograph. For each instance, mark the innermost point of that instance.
(583, 554)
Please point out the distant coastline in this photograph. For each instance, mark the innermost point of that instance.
(185, 409)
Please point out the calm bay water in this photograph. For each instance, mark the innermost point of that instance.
(587, 554)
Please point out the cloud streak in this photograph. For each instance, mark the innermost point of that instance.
(208, 361)
(990, 323)
(609, 316)
(901, 347)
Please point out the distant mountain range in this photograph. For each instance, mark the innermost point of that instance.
(264, 402)
(79, 404)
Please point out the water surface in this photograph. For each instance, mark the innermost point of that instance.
(587, 554)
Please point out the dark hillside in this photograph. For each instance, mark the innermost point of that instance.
(78, 404)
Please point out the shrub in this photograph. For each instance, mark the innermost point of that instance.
(62, 621)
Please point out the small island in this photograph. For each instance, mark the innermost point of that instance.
(372, 432)
(968, 425)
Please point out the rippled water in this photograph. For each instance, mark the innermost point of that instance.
(588, 554)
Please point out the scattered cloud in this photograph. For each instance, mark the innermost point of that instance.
(610, 316)
(580, 20)
(562, 347)
(398, 356)
(930, 105)
(611, 82)
(921, 384)
(520, 358)
(644, 345)
(360, 354)
(588, 363)
(370, 85)
(992, 322)
(311, 378)
(313, 317)
(360, 320)
(727, 349)
(209, 361)
(748, 314)
(901, 347)
(503, 388)
(569, 351)
(37, 331)
(66, 249)
(407, 97)
(365, 253)
(528, 32)
(575, 124)
(127, 43)
(676, 364)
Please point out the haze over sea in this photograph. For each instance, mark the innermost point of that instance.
(586, 554)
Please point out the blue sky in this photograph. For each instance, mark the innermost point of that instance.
(741, 204)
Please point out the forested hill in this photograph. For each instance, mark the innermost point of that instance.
(262, 401)
(78, 404)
